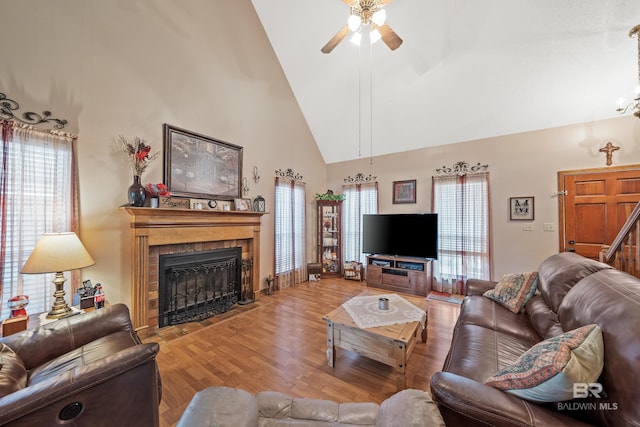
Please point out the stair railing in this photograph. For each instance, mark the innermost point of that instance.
(623, 253)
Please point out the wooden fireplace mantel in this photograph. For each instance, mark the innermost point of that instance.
(162, 226)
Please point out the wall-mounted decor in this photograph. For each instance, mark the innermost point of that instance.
(521, 208)
(404, 191)
(197, 166)
(8, 106)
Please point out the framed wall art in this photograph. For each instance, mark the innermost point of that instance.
(404, 191)
(521, 208)
(197, 166)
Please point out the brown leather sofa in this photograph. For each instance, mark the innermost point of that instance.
(86, 370)
(226, 406)
(573, 291)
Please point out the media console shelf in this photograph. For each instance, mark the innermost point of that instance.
(400, 274)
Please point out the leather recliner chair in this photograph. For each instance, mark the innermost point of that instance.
(90, 369)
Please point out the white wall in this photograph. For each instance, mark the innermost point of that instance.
(519, 165)
(126, 67)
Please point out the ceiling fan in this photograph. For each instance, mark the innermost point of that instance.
(366, 14)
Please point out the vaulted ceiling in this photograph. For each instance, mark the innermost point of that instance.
(468, 69)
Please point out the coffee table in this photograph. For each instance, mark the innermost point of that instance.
(391, 345)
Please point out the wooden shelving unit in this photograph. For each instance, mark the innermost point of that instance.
(330, 237)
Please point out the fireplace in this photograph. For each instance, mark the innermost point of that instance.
(160, 231)
(197, 285)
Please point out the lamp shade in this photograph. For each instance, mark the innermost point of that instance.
(56, 252)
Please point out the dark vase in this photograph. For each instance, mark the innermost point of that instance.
(137, 192)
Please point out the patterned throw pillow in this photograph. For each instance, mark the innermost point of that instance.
(547, 371)
(514, 290)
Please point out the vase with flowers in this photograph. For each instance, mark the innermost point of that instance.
(154, 191)
(139, 158)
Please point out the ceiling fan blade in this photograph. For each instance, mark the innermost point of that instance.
(340, 35)
(389, 37)
(384, 2)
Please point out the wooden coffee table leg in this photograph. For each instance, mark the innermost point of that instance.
(331, 348)
(401, 366)
(424, 330)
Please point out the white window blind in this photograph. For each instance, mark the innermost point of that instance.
(462, 205)
(290, 251)
(35, 197)
(360, 199)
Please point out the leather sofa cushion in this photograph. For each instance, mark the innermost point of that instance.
(478, 352)
(13, 375)
(560, 272)
(611, 299)
(482, 311)
(88, 353)
(221, 406)
(279, 406)
(409, 408)
(543, 319)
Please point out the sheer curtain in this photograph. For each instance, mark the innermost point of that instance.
(38, 194)
(462, 205)
(359, 199)
(290, 230)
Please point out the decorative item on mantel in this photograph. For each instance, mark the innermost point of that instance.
(139, 158)
(154, 191)
(259, 204)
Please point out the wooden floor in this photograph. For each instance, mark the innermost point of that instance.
(280, 344)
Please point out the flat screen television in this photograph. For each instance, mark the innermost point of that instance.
(409, 235)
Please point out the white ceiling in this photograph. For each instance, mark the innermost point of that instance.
(468, 69)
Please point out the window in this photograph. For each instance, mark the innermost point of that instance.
(359, 199)
(462, 205)
(35, 197)
(289, 232)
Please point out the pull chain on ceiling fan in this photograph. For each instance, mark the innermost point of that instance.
(366, 14)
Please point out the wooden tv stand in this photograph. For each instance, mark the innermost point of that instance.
(400, 274)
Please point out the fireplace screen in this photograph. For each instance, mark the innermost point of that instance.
(197, 285)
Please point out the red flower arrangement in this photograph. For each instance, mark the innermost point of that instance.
(158, 189)
(138, 152)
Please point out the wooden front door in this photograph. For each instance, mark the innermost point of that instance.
(594, 205)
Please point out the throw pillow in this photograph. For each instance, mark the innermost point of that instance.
(514, 290)
(13, 375)
(547, 371)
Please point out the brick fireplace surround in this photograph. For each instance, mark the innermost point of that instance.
(156, 231)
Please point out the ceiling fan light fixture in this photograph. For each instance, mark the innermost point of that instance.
(356, 38)
(375, 35)
(635, 104)
(379, 17)
(354, 22)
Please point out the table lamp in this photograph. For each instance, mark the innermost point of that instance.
(55, 253)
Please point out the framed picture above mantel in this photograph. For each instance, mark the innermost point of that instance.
(198, 166)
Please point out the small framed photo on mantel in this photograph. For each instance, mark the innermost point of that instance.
(521, 208)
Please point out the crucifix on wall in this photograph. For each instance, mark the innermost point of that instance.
(609, 149)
